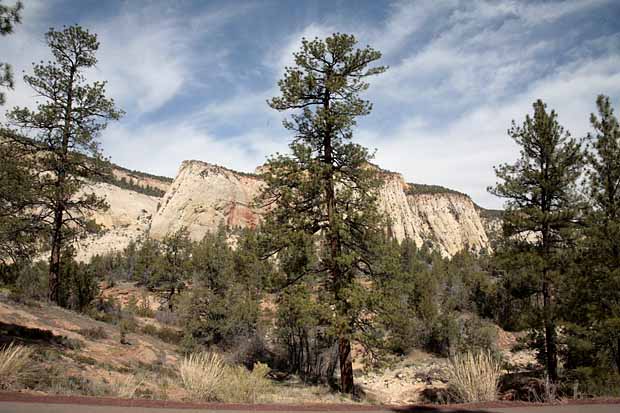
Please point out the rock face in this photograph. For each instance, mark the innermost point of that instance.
(127, 219)
(204, 196)
(448, 221)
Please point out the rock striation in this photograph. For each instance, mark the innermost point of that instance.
(447, 221)
(204, 196)
(127, 218)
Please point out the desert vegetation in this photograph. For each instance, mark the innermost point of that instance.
(319, 296)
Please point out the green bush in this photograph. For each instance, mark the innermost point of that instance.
(32, 281)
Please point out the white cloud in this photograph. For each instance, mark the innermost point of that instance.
(460, 72)
(175, 142)
(461, 153)
(144, 61)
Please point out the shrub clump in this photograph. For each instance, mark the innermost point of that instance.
(243, 386)
(474, 376)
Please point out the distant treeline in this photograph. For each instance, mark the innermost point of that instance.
(415, 189)
(132, 182)
(134, 185)
(139, 174)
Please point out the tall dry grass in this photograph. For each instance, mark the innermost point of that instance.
(125, 387)
(474, 376)
(207, 377)
(202, 374)
(14, 364)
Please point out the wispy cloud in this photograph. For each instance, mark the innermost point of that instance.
(194, 78)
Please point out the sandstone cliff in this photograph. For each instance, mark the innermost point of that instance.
(447, 221)
(203, 196)
(128, 218)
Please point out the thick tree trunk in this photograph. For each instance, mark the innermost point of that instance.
(346, 365)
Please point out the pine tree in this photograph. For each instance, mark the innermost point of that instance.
(19, 217)
(594, 301)
(9, 16)
(173, 266)
(66, 124)
(541, 212)
(326, 186)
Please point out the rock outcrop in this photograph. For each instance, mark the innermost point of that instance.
(128, 218)
(448, 221)
(204, 196)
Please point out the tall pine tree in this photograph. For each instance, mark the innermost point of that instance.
(541, 212)
(66, 124)
(594, 300)
(326, 186)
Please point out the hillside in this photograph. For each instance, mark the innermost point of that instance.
(76, 354)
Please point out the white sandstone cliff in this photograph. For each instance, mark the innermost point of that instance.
(203, 196)
(127, 218)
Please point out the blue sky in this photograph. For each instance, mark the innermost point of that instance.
(193, 77)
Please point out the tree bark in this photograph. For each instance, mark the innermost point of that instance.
(54, 271)
(346, 365)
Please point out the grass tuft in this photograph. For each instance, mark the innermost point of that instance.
(474, 376)
(207, 377)
(125, 387)
(202, 374)
(14, 364)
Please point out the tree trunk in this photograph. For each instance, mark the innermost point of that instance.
(55, 295)
(346, 365)
(617, 354)
(551, 351)
(54, 270)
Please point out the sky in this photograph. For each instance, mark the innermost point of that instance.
(194, 76)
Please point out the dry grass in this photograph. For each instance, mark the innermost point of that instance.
(207, 377)
(125, 386)
(202, 374)
(474, 377)
(14, 364)
(243, 386)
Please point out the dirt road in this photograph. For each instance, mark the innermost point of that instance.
(26, 403)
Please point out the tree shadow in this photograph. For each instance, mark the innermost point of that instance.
(18, 334)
